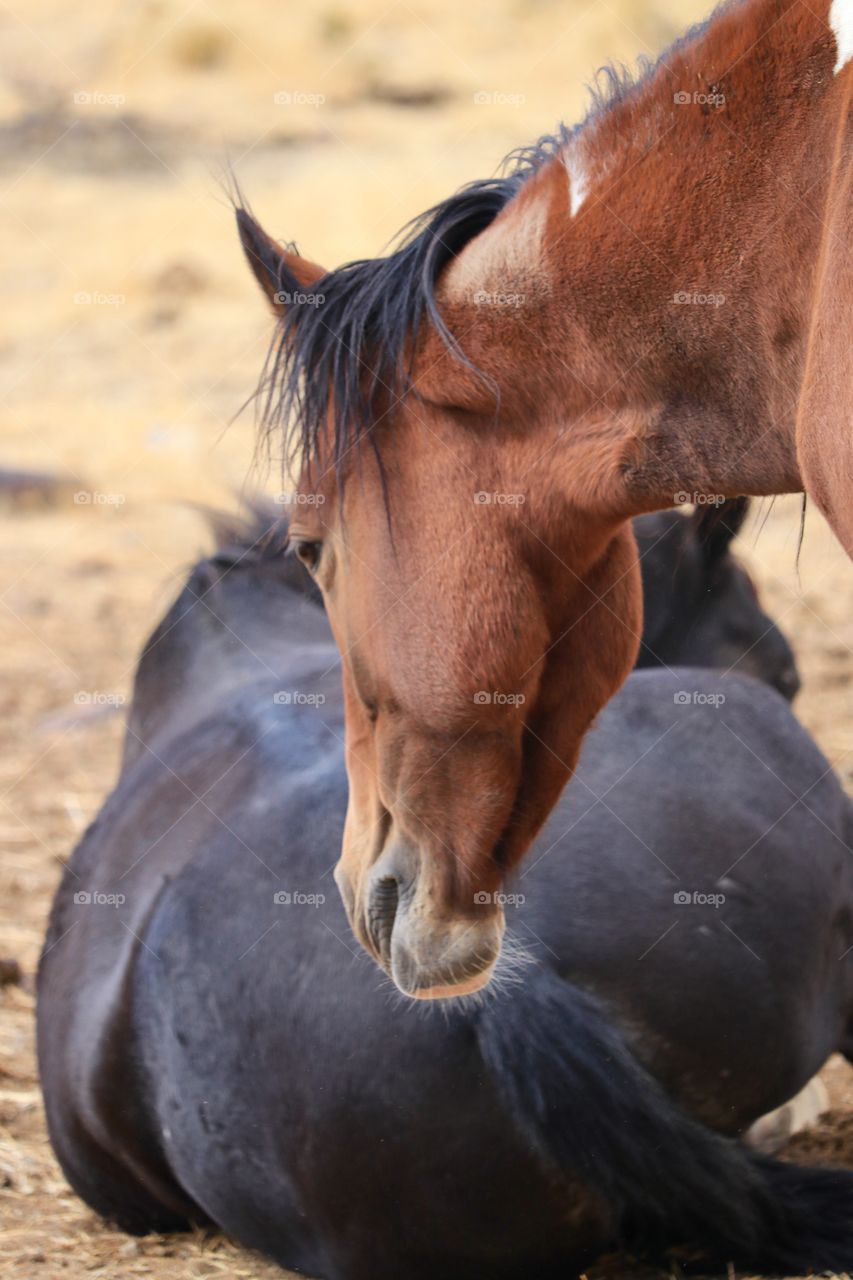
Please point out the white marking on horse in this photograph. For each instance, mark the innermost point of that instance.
(578, 178)
(841, 21)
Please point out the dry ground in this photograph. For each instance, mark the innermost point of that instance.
(129, 336)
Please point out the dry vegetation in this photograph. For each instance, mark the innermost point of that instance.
(131, 334)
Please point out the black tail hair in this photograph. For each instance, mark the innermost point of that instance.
(592, 1110)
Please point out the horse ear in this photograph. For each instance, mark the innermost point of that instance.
(280, 271)
(490, 294)
(717, 527)
(227, 528)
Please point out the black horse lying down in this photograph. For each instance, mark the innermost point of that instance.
(700, 605)
(215, 1047)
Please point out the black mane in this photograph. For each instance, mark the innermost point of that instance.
(260, 530)
(348, 353)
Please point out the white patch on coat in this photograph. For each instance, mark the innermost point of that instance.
(578, 177)
(841, 21)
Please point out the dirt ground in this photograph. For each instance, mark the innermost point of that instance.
(131, 335)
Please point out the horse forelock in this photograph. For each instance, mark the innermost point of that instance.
(341, 361)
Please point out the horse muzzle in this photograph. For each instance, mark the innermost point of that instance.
(431, 950)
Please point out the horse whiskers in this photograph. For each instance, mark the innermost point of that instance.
(508, 973)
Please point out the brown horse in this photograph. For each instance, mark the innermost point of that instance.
(654, 303)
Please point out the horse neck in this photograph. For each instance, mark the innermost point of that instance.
(262, 639)
(685, 248)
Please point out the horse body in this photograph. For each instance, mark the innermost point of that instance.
(656, 302)
(700, 605)
(214, 1047)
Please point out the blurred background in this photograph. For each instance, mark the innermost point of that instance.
(130, 336)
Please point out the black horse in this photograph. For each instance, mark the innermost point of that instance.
(679, 964)
(700, 605)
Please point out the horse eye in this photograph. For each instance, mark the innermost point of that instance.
(309, 553)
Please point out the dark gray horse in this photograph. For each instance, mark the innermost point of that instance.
(678, 966)
(700, 605)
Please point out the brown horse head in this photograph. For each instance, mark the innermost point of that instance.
(480, 412)
(483, 621)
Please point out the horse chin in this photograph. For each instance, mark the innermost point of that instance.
(468, 987)
(457, 961)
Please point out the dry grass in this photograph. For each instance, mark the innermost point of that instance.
(131, 395)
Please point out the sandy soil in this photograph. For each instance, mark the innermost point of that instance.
(131, 335)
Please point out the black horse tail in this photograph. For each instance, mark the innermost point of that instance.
(592, 1111)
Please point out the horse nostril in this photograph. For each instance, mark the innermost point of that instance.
(383, 900)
